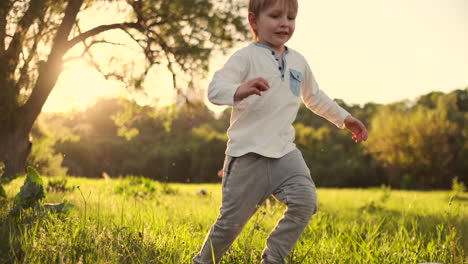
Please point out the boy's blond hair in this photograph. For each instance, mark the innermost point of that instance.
(256, 6)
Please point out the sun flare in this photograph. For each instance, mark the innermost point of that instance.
(78, 87)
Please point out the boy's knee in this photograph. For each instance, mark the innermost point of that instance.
(313, 202)
(228, 229)
(306, 205)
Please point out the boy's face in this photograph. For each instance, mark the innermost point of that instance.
(274, 26)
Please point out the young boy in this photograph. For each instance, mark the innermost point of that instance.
(264, 82)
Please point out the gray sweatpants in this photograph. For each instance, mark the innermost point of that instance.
(248, 181)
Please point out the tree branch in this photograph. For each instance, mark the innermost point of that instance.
(139, 43)
(99, 29)
(137, 7)
(94, 42)
(23, 80)
(4, 10)
(35, 9)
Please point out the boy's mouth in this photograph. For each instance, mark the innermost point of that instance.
(282, 33)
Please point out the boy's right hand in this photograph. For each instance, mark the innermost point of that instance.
(254, 86)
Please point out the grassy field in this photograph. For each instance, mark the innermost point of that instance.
(141, 221)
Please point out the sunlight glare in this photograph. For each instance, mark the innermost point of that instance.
(78, 87)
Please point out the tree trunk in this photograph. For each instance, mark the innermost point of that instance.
(14, 149)
(16, 121)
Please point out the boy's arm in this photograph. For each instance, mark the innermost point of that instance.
(317, 101)
(227, 80)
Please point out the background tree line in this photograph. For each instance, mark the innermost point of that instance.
(421, 144)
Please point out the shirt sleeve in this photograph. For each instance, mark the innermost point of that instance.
(319, 102)
(226, 80)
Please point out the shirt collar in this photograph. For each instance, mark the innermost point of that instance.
(286, 50)
(282, 64)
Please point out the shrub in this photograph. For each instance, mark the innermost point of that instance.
(458, 187)
(59, 185)
(141, 187)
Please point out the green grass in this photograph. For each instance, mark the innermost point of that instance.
(140, 221)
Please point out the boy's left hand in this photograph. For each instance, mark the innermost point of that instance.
(357, 128)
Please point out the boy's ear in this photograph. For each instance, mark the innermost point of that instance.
(253, 21)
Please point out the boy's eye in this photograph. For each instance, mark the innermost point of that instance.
(274, 15)
(291, 17)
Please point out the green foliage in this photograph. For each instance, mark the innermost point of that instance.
(334, 159)
(423, 141)
(411, 145)
(458, 187)
(172, 144)
(125, 118)
(142, 188)
(30, 194)
(58, 185)
(43, 155)
(138, 187)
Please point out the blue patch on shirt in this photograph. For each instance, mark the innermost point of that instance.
(295, 81)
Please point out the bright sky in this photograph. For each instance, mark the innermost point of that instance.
(360, 51)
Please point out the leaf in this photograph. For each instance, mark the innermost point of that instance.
(30, 194)
(33, 176)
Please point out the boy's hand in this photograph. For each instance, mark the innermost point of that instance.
(254, 86)
(357, 128)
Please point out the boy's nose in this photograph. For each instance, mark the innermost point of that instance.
(284, 22)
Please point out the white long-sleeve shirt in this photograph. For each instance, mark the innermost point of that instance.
(263, 124)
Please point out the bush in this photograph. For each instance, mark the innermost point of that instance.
(458, 187)
(141, 187)
(59, 185)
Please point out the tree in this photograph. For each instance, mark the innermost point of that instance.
(417, 144)
(38, 35)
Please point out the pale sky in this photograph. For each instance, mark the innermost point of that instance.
(360, 51)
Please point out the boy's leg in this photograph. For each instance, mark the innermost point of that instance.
(245, 185)
(297, 190)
